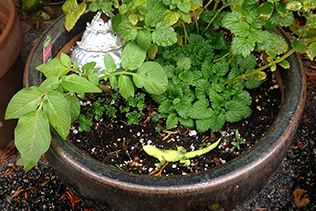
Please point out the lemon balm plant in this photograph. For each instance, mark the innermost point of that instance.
(196, 77)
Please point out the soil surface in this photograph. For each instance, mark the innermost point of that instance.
(118, 144)
(293, 187)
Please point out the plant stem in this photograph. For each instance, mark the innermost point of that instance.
(268, 65)
(186, 37)
(215, 6)
(216, 60)
(218, 11)
(105, 89)
(260, 68)
(206, 5)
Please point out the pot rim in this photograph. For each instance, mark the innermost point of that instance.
(257, 157)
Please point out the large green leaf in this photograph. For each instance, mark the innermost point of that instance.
(164, 35)
(32, 137)
(24, 101)
(78, 84)
(57, 109)
(74, 107)
(152, 77)
(133, 56)
(126, 86)
(53, 68)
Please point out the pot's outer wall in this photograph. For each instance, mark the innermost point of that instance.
(107, 188)
(11, 70)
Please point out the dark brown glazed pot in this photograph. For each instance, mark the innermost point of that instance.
(11, 70)
(233, 183)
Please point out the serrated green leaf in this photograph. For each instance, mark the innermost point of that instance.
(266, 10)
(252, 83)
(53, 68)
(299, 46)
(109, 63)
(170, 17)
(269, 43)
(287, 20)
(241, 29)
(280, 44)
(217, 122)
(184, 6)
(181, 108)
(126, 30)
(166, 107)
(259, 36)
(57, 109)
(280, 7)
(32, 137)
(164, 35)
(231, 19)
(126, 86)
(294, 6)
(184, 63)
(151, 18)
(152, 77)
(311, 21)
(188, 123)
(253, 18)
(260, 76)
(74, 107)
(203, 125)
(49, 83)
(139, 2)
(144, 40)
(73, 15)
(123, 9)
(285, 64)
(133, 56)
(186, 76)
(65, 60)
(242, 46)
(186, 17)
(249, 5)
(172, 121)
(311, 51)
(24, 101)
(133, 19)
(243, 97)
(79, 84)
(236, 111)
(200, 110)
(220, 68)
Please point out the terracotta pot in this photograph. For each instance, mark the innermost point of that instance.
(233, 183)
(11, 70)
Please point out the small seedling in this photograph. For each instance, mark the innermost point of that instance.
(155, 117)
(84, 123)
(159, 128)
(238, 141)
(133, 117)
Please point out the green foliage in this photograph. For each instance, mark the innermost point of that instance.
(196, 96)
(239, 141)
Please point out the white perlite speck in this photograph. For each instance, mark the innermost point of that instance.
(192, 133)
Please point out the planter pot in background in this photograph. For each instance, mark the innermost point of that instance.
(11, 69)
(232, 184)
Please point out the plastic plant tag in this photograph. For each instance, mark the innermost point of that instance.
(47, 52)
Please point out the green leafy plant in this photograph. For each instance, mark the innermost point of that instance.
(239, 141)
(54, 102)
(198, 79)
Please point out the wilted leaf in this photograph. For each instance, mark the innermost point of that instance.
(300, 198)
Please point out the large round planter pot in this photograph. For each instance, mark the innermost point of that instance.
(233, 183)
(11, 70)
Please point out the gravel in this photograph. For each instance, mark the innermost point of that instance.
(41, 189)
